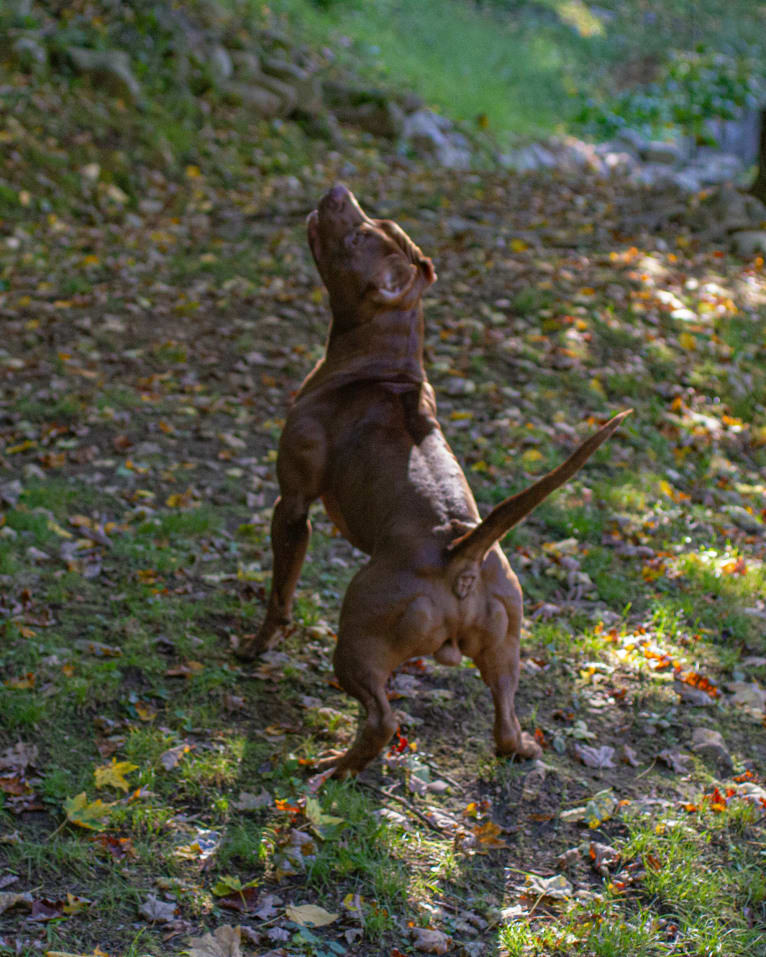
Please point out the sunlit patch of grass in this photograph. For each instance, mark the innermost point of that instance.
(365, 848)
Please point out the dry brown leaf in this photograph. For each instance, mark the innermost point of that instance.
(225, 941)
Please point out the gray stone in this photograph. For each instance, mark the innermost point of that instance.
(574, 155)
(246, 64)
(286, 92)
(29, 52)
(529, 159)
(221, 65)
(658, 151)
(264, 103)
(739, 515)
(283, 69)
(749, 242)
(714, 168)
(109, 69)
(430, 134)
(709, 743)
(632, 140)
(381, 119)
(617, 162)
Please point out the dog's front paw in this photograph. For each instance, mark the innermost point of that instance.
(268, 635)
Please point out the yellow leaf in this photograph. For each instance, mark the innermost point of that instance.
(84, 814)
(309, 915)
(113, 775)
(687, 341)
(597, 386)
(531, 456)
(518, 245)
(75, 904)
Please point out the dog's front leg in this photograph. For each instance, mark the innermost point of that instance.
(290, 534)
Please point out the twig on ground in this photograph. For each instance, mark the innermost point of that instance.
(406, 804)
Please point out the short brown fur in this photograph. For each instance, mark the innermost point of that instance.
(362, 435)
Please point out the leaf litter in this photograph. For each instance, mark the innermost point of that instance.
(180, 378)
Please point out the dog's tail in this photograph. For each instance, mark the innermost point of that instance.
(474, 545)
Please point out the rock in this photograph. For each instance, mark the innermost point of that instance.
(429, 941)
(749, 242)
(715, 168)
(456, 385)
(29, 53)
(662, 177)
(287, 93)
(529, 159)
(632, 140)
(109, 69)
(370, 109)
(739, 515)
(264, 103)
(246, 63)
(533, 782)
(615, 160)
(283, 69)
(658, 151)
(709, 743)
(221, 64)
(694, 696)
(574, 155)
(430, 134)
(726, 210)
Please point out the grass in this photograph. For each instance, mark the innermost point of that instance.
(524, 68)
(159, 432)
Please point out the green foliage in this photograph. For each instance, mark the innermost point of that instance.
(694, 86)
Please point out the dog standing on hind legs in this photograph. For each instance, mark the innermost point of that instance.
(362, 435)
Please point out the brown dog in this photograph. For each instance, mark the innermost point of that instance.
(362, 435)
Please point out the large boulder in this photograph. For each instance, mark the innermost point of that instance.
(108, 69)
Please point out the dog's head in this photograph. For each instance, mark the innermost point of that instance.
(368, 265)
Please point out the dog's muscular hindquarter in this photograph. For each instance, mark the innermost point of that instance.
(362, 435)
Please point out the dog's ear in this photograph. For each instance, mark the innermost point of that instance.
(411, 251)
(394, 280)
(427, 269)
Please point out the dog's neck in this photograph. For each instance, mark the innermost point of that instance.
(386, 347)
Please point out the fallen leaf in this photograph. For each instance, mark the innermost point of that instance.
(113, 775)
(676, 761)
(156, 910)
(430, 941)
(310, 915)
(556, 887)
(247, 801)
(595, 757)
(18, 757)
(223, 942)
(170, 759)
(9, 900)
(84, 814)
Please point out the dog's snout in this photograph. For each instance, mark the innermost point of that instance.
(337, 198)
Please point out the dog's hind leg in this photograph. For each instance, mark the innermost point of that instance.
(499, 664)
(364, 677)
